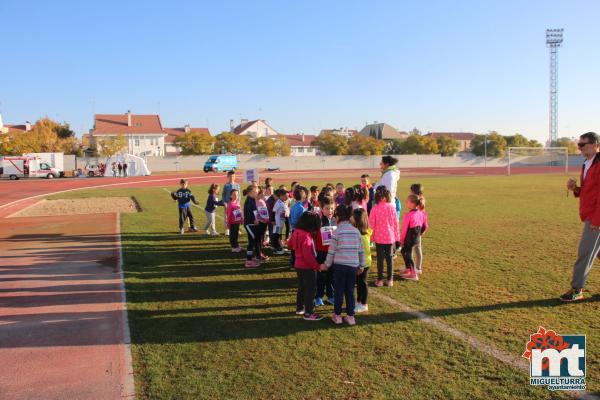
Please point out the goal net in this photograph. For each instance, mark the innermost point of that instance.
(538, 159)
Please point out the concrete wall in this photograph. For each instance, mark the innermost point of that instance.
(187, 163)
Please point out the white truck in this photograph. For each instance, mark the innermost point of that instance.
(27, 167)
(55, 160)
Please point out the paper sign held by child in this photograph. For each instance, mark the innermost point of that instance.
(326, 233)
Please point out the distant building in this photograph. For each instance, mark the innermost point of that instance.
(9, 128)
(463, 138)
(171, 148)
(255, 129)
(382, 131)
(144, 133)
(342, 132)
(302, 145)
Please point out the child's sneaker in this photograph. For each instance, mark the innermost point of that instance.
(419, 271)
(319, 302)
(389, 283)
(337, 319)
(379, 282)
(264, 257)
(279, 252)
(361, 308)
(214, 234)
(256, 260)
(349, 319)
(226, 232)
(572, 295)
(193, 229)
(300, 312)
(312, 317)
(251, 264)
(330, 301)
(405, 271)
(412, 276)
(236, 249)
(182, 231)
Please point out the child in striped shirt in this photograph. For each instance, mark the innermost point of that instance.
(347, 255)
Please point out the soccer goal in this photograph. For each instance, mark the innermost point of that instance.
(555, 159)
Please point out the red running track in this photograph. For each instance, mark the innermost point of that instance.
(15, 195)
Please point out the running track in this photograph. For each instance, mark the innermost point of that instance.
(15, 195)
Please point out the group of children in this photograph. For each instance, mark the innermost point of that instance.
(328, 233)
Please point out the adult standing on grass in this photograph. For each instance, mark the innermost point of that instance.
(125, 169)
(120, 166)
(589, 211)
(390, 177)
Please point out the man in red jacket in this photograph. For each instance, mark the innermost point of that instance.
(589, 211)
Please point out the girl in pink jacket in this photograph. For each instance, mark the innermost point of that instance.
(414, 224)
(235, 218)
(384, 222)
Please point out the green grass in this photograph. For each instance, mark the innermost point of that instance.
(499, 252)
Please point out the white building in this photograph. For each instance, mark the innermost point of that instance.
(256, 129)
(302, 145)
(144, 133)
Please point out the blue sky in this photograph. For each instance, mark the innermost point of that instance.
(304, 65)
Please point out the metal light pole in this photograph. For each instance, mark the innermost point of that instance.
(485, 150)
(554, 39)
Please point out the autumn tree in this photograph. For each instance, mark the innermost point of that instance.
(282, 146)
(414, 131)
(45, 136)
(196, 142)
(228, 142)
(330, 143)
(496, 144)
(365, 146)
(447, 146)
(266, 146)
(112, 145)
(569, 144)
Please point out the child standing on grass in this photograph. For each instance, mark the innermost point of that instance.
(413, 226)
(263, 221)
(417, 189)
(360, 219)
(347, 256)
(384, 222)
(183, 196)
(296, 211)
(270, 201)
(211, 210)
(301, 243)
(281, 212)
(322, 239)
(365, 183)
(234, 220)
(313, 201)
(360, 198)
(227, 189)
(251, 226)
(340, 196)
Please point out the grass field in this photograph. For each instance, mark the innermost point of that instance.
(499, 253)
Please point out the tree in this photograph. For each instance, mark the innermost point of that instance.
(447, 146)
(64, 131)
(330, 143)
(196, 142)
(517, 140)
(417, 144)
(365, 146)
(569, 144)
(429, 145)
(266, 146)
(112, 145)
(496, 145)
(394, 146)
(414, 131)
(228, 142)
(282, 146)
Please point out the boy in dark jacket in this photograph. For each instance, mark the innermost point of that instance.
(324, 278)
(184, 196)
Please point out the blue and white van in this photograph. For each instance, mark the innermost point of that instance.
(220, 163)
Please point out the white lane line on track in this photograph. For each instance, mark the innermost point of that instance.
(500, 355)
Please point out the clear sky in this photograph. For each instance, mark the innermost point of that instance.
(302, 65)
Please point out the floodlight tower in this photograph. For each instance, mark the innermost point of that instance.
(554, 39)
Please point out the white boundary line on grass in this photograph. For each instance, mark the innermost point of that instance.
(500, 355)
(128, 383)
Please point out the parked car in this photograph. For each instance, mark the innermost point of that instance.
(220, 163)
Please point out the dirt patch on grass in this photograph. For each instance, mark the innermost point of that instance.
(93, 205)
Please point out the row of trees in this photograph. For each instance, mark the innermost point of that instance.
(198, 142)
(45, 136)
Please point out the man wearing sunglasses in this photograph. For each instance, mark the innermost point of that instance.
(589, 211)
